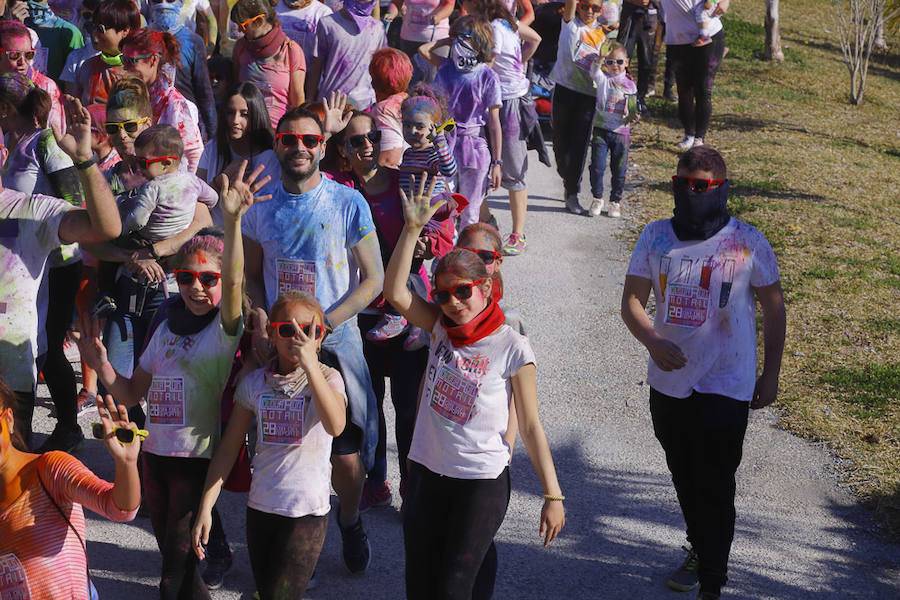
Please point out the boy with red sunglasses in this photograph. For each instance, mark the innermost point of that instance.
(164, 205)
(706, 270)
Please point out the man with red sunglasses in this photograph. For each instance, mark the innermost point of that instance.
(706, 270)
(317, 236)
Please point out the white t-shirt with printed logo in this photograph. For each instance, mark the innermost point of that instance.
(464, 410)
(29, 232)
(184, 400)
(705, 304)
(508, 60)
(292, 464)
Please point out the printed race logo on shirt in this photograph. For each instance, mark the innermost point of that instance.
(166, 400)
(453, 395)
(13, 581)
(687, 303)
(281, 419)
(296, 276)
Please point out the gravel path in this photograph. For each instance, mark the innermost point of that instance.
(799, 534)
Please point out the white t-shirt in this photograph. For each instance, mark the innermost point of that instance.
(417, 25)
(508, 60)
(705, 304)
(29, 231)
(299, 24)
(76, 59)
(578, 46)
(184, 400)
(464, 409)
(681, 23)
(292, 464)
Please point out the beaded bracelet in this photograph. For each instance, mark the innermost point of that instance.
(559, 498)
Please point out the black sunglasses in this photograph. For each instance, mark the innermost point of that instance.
(207, 278)
(288, 331)
(696, 184)
(309, 140)
(126, 436)
(487, 256)
(463, 291)
(357, 141)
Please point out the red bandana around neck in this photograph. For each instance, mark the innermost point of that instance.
(267, 45)
(487, 322)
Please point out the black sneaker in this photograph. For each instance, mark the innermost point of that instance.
(64, 437)
(214, 574)
(642, 108)
(356, 548)
(684, 578)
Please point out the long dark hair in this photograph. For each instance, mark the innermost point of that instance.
(259, 127)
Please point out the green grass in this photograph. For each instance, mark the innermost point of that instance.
(870, 390)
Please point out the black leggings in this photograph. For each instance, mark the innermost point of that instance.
(62, 285)
(695, 71)
(572, 118)
(173, 487)
(283, 552)
(448, 526)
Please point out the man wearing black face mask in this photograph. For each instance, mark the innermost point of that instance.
(706, 270)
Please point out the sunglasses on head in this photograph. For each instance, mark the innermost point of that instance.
(207, 278)
(288, 331)
(463, 291)
(357, 141)
(488, 256)
(112, 127)
(696, 184)
(126, 436)
(130, 61)
(309, 140)
(588, 7)
(146, 162)
(614, 61)
(14, 55)
(244, 24)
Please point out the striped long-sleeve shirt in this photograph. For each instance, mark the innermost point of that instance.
(40, 555)
(436, 159)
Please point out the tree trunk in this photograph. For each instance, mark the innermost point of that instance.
(880, 45)
(773, 32)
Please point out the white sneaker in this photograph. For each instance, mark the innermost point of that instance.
(596, 207)
(698, 142)
(687, 143)
(615, 210)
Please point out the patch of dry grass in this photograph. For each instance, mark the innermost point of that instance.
(821, 179)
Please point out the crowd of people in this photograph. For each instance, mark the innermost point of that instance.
(248, 216)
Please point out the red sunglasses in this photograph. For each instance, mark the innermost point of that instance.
(586, 6)
(288, 331)
(696, 184)
(462, 291)
(289, 140)
(146, 162)
(207, 278)
(487, 256)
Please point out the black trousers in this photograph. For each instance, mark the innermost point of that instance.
(639, 29)
(283, 552)
(703, 437)
(62, 284)
(695, 72)
(572, 119)
(448, 527)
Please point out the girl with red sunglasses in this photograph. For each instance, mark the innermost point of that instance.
(182, 373)
(459, 475)
(298, 405)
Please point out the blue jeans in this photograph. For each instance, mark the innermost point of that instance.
(616, 144)
(345, 343)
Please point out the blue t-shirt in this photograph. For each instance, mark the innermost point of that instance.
(306, 240)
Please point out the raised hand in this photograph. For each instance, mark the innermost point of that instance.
(336, 114)
(77, 141)
(305, 349)
(113, 417)
(237, 195)
(86, 334)
(418, 210)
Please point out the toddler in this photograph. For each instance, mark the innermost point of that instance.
(391, 72)
(703, 13)
(616, 108)
(164, 205)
